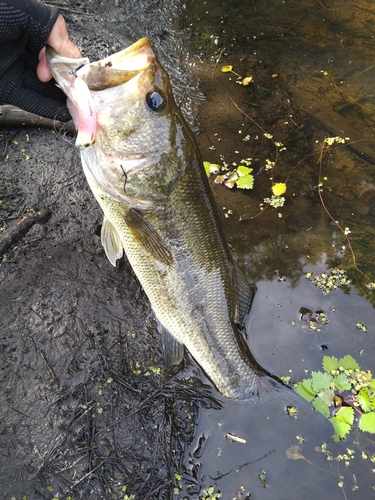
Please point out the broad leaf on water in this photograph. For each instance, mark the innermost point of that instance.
(242, 170)
(365, 400)
(345, 414)
(207, 166)
(330, 363)
(304, 389)
(367, 423)
(341, 428)
(327, 395)
(245, 182)
(321, 407)
(348, 362)
(342, 382)
(320, 381)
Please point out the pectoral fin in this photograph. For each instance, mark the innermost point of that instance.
(146, 235)
(111, 242)
(246, 293)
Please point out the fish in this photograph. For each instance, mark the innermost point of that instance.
(144, 167)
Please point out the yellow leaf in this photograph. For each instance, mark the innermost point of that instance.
(279, 188)
(247, 80)
(226, 69)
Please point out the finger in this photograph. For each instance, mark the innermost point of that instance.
(42, 70)
(59, 40)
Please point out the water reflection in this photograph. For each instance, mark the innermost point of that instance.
(313, 72)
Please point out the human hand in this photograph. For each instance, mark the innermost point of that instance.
(25, 26)
(59, 40)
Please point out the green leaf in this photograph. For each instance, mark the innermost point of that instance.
(367, 423)
(348, 362)
(304, 389)
(327, 395)
(207, 165)
(342, 382)
(330, 363)
(321, 407)
(365, 400)
(320, 381)
(242, 171)
(341, 428)
(245, 182)
(345, 414)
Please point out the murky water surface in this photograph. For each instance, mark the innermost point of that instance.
(312, 73)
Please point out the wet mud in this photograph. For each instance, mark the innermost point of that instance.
(87, 410)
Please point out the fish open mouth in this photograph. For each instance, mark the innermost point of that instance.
(78, 78)
(118, 68)
(99, 75)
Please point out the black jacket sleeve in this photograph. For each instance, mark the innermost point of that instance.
(24, 28)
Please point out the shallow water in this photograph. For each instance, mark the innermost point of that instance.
(313, 73)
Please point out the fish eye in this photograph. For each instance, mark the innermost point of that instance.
(156, 101)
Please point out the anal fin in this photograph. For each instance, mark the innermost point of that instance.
(173, 349)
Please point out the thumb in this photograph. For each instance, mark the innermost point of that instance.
(59, 40)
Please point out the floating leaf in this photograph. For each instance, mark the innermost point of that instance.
(330, 363)
(321, 407)
(345, 414)
(226, 69)
(364, 399)
(320, 381)
(342, 382)
(327, 396)
(207, 166)
(341, 428)
(294, 452)
(279, 188)
(367, 423)
(245, 182)
(247, 80)
(242, 171)
(348, 362)
(304, 389)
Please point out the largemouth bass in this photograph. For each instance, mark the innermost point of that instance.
(144, 168)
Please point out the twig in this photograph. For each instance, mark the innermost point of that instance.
(217, 61)
(11, 115)
(17, 230)
(322, 153)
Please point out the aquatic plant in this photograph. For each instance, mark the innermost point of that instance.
(345, 386)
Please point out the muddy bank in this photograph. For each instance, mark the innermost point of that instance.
(87, 410)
